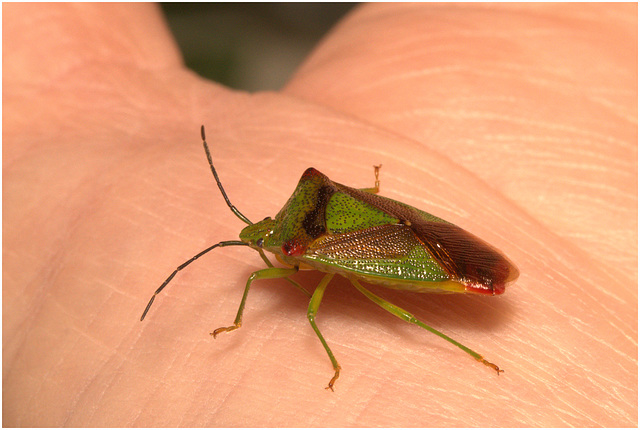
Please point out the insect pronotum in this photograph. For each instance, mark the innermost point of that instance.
(357, 234)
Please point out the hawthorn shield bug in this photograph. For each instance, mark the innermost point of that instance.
(361, 236)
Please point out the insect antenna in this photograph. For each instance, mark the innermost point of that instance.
(215, 175)
(185, 264)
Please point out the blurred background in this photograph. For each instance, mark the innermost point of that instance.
(250, 46)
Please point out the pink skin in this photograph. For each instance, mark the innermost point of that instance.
(515, 122)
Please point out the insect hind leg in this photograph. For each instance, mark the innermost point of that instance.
(406, 316)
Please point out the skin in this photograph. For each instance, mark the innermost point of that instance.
(516, 122)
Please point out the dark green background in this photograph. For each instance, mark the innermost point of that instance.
(250, 46)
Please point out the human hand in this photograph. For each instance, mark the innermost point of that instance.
(515, 122)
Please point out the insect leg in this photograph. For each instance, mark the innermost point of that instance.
(291, 281)
(270, 273)
(376, 186)
(314, 304)
(402, 314)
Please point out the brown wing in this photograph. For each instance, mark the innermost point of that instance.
(469, 260)
(466, 258)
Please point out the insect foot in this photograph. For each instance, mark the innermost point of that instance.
(217, 331)
(333, 380)
(491, 365)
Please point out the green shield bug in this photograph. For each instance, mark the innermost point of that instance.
(357, 234)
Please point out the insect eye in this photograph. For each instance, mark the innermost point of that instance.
(260, 242)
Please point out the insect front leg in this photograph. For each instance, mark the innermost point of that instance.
(291, 281)
(270, 273)
(314, 304)
(402, 314)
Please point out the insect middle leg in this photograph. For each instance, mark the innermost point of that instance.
(404, 315)
(270, 273)
(314, 304)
